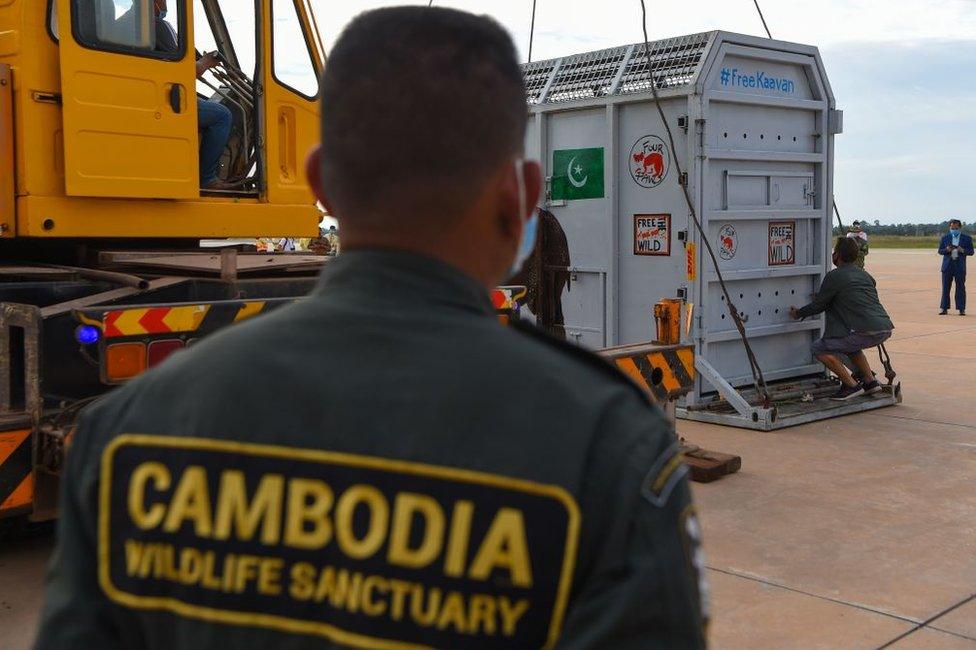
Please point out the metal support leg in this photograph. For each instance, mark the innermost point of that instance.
(732, 396)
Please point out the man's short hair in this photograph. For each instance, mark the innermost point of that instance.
(419, 106)
(955, 221)
(847, 248)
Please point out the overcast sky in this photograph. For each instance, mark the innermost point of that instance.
(903, 71)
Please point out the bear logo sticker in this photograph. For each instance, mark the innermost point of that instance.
(728, 242)
(650, 161)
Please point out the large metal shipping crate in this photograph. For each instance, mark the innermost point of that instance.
(753, 122)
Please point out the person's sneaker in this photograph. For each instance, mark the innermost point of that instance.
(845, 393)
(962, 312)
(871, 387)
(943, 312)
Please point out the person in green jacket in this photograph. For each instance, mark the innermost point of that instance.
(855, 321)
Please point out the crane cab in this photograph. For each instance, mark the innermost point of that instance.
(103, 127)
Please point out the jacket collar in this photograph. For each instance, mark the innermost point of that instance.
(392, 277)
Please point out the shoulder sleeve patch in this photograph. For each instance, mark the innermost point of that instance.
(364, 551)
(667, 471)
(595, 361)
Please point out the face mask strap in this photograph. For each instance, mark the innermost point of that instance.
(522, 194)
(529, 223)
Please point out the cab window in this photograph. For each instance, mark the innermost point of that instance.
(52, 19)
(293, 62)
(153, 28)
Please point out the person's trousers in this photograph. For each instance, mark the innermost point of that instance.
(959, 277)
(215, 122)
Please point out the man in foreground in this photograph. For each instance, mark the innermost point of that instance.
(440, 480)
(954, 247)
(856, 321)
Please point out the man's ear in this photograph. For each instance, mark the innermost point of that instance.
(533, 183)
(313, 172)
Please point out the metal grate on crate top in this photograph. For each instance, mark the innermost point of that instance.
(616, 71)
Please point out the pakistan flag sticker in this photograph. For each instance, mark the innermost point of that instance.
(577, 174)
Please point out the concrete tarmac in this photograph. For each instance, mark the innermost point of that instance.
(856, 532)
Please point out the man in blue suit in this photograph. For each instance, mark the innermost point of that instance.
(954, 248)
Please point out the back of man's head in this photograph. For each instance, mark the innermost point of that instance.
(847, 249)
(419, 107)
(955, 223)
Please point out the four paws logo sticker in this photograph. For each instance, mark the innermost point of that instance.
(728, 242)
(650, 161)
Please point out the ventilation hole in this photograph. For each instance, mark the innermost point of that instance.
(779, 137)
(725, 135)
(777, 311)
(744, 136)
(657, 376)
(723, 316)
(741, 296)
(794, 138)
(759, 313)
(762, 137)
(777, 293)
(792, 291)
(722, 298)
(48, 224)
(759, 294)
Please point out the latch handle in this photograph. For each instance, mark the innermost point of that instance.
(176, 98)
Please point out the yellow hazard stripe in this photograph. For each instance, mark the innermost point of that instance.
(186, 319)
(22, 495)
(668, 379)
(629, 368)
(249, 309)
(9, 441)
(687, 356)
(23, 492)
(128, 322)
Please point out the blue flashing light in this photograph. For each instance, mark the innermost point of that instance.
(87, 334)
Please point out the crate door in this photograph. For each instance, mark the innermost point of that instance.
(129, 105)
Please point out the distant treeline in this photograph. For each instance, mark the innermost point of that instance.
(901, 229)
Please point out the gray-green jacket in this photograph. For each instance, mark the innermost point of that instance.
(380, 465)
(849, 296)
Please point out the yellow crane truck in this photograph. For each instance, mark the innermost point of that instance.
(102, 273)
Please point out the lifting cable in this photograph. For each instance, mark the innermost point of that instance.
(531, 30)
(757, 376)
(762, 18)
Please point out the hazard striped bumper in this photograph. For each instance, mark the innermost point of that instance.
(150, 320)
(152, 332)
(667, 371)
(16, 481)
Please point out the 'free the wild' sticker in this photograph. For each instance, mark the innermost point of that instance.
(365, 551)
